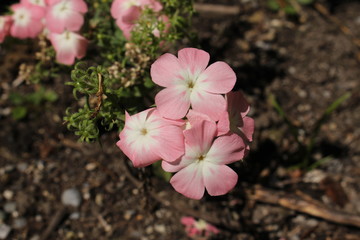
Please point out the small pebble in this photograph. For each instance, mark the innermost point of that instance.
(8, 194)
(160, 228)
(71, 197)
(91, 166)
(74, 216)
(19, 223)
(4, 231)
(21, 167)
(10, 207)
(129, 214)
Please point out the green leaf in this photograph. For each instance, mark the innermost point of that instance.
(273, 5)
(50, 96)
(305, 2)
(19, 112)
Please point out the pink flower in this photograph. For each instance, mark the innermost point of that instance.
(204, 162)
(5, 24)
(68, 45)
(27, 20)
(234, 119)
(200, 228)
(40, 3)
(147, 138)
(189, 82)
(64, 15)
(127, 12)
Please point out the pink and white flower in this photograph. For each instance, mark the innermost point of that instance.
(234, 120)
(5, 24)
(40, 3)
(147, 138)
(127, 12)
(27, 20)
(68, 46)
(64, 15)
(198, 228)
(204, 162)
(189, 82)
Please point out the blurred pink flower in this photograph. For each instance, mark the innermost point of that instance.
(234, 119)
(127, 12)
(68, 46)
(5, 24)
(204, 162)
(189, 82)
(64, 15)
(40, 3)
(198, 229)
(27, 20)
(147, 138)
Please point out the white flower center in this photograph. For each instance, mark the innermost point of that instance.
(67, 41)
(2, 23)
(62, 9)
(190, 80)
(38, 2)
(22, 17)
(130, 3)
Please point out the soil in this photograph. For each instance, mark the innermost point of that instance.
(305, 62)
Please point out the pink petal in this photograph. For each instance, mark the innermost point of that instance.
(187, 221)
(218, 179)
(210, 104)
(177, 165)
(189, 181)
(248, 128)
(226, 149)
(65, 57)
(35, 28)
(165, 70)
(194, 59)
(196, 117)
(199, 137)
(116, 8)
(173, 102)
(79, 6)
(54, 24)
(74, 22)
(141, 158)
(19, 31)
(125, 28)
(223, 124)
(170, 143)
(131, 15)
(81, 47)
(218, 78)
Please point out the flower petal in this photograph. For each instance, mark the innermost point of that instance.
(223, 124)
(170, 143)
(173, 102)
(218, 78)
(177, 165)
(193, 59)
(189, 181)
(80, 6)
(74, 22)
(165, 70)
(248, 128)
(210, 104)
(237, 103)
(218, 179)
(199, 138)
(226, 149)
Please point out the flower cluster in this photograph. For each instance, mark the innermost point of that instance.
(198, 229)
(198, 127)
(127, 12)
(59, 20)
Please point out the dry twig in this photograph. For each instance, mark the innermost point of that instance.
(304, 205)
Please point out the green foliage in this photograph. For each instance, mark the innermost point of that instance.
(306, 147)
(287, 5)
(159, 172)
(22, 103)
(122, 82)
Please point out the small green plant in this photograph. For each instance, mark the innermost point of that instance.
(22, 104)
(290, 7)
(305, 147)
